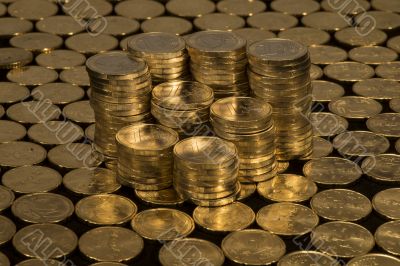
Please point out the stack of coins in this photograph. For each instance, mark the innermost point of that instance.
(218, 59)
(247, 122)
(205, 171)
(120, 96)
(279, 73)
(183, 106)
(164, 53)
(145, 160)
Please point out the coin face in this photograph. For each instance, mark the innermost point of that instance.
(167, 24)
(105, 209)
(60, 59)
(296, 8)
(383, 20)
(7, 230)
(321, 148)
(273, 21)
(332, 171)
(219, 21)
(351, 37)
(32, 75)
(382, 167)
(88, 44)
(163, 197)
(329, 21)
(37, 42)
(11, 131)
(14, 26)
(156, 42)
(388, 70)
(372, 55)
(242, 246)
(6, 198)
(55, 132)
(40, 262)
(252, 35)
(241, 8)
(79, 112)
(354, 107)
(326, 54)
(76, 76)
(62, 241)
(215, 41)
(374, 259)
(386, 203)
(73, 155)
(397, 146)
(32, 10)
(162, 224)
(394, 43)
(387, 237)
(342, 239)
(287, 219)
(108, 264)
(232, 217)
(4, 260)
(308, 257)
(147, 10)
(377, 88)
(277, 50)
(21, 153)
(326, 91)
(327, 124)
(387, 124)
(110, 243)
(246, 190)
(356, 7)
(116, 26)
(167, 255)
(14, 57)
(59, 25)
(348, 71)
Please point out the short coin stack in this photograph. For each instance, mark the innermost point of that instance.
(218, 59)
(165, 54)
(120, 96)
(279, 73)
(205, 170)
(145, 159)
(247, 122)
(183, 106)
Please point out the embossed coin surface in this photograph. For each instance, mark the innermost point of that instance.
(387, 203)
(21, 153)
(387, 124)
(387, 237)
(377, 88)
(309, 257)
(372, 55)
(348, 71)
(374, 259)
(382, 167)
(355, 107)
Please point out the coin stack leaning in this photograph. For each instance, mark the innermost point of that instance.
(145, 156)
(120, 96)
(279, 73)
(218, 59)
(164, 53)
(247, 122)
(205, 171)
(183, 106)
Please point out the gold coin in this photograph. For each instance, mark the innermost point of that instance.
(360, 143)
(76, 76)
(6, 197)
(195, 8)
(79, 112)
(326, 91)
(273, 21)
(348, 8)
(14, 26)
(332, 171)
(374, 259)
(73, 155)
(59, 25)
(162, 224)
(76, 9)
(55, 133)
(372, 55)
(105, 209)
(287, 188)
(32, 9)
(309, 257)
(387, 237)
(61, 241)
(14, 57)
(327, 124)
(40, 262)
(394, 43)
(326, 55)
(167, 24)
(60, 59)
(3, 9)
(287, 219)
(33, 112)
(232, 217)
(320, 148)
(342, 239)
(386, 5)
(147, 10)
(58, 93)
(349, 71)
(21, 153)
(37, 42)
(341, 204)
(164, 197)
(246, 190)
(88, 44)
(351, 37)
(206, 252)
(107, 264)
(7, 230)
(241, 8)
(115, 25)
(32, 75)
(385, 21)
(240, 247)
(388, 70)
(219, 21)
(4, 260)
(316, 72)
(387, 124)
(355, 107)
(295, 7)
(252, 35)
(397, 145)
(382, 167)
(32, 179)
(305, 35)
(89, 132)
(11, 92)
(328, 21)
(111, 243)
(11, 131)
(377, 88)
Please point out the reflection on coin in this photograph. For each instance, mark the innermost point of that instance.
(11, 131)
(232, 217)
(110, 243)
(31, 179)
(61, 241)
(326, 54)
(349, 71)
(79, 112)
(388, 70)
(326, 91)
(332, 171)
(195, 250)
(241, 8)
(387, 124)
(73, 155)
(287, 188)
(372, 55)
(387, 237)
(192, 9)
(14, 26)
(163, 197)
(4, 260)
(305, 35)
(32, 9)
(147, 10)
(21, 153)
(287, 219)
(86, 43)
(355, 107)
(273, 21)
(342, 239)
(6, 198)
(42, 208)
(76, 76)
(253, 247)
(246, 190)
(11, 92)
(105, 209)
(350, 36)
(329, 21)
(309, 257)
(382, 167)
(33, 112)
(60, 59)
(7, 230)
(174, 25)
(341, 204)
(40, 262)
(162, 224)
(91, 181)
(295, 7)
(377, 88)
(59, 25)
(219, 21)
(32, 75)
(374, 259)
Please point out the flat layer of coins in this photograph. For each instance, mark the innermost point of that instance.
(247, 122)
(206, 170)
(279, 73)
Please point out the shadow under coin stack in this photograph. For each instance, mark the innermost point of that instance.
(164, 53)
(247, 122)
(279, 73)
(183, 106)
(145, 156)
(205, 171)
(120, 96)
(218, 59)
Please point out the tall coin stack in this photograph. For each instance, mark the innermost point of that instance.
(145, 156)
(205, 170)
(164, 53)
(279, 73)
(218, 59)
(120, 96)
(247, 122)
(183, 106)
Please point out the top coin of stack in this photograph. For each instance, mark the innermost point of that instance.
(120, 96)
(165, 54)
(183, 106)
(218, 59)
(247, 122)
(145, 159)
(205, 171)
(279, 73)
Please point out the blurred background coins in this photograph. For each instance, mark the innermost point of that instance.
(279, 73)
(218, 59)
(247, 122)
(205, 171)
(164, 53)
